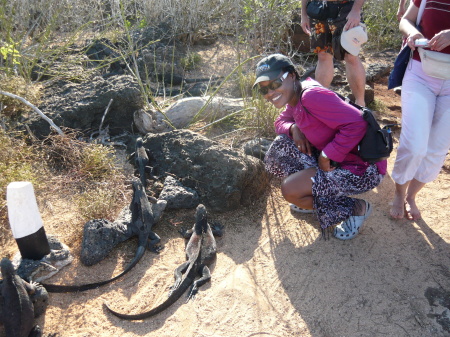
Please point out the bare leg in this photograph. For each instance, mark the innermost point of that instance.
(398, 210)
(360, 207)
(324, 69)
(297, 188)
(414, 187)
(356, 76)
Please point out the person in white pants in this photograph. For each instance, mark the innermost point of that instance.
(425, 135)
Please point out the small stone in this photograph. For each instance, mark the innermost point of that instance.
(257, 147)
(49, 265)
(177, 195)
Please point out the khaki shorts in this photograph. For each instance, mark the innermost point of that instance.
(326, 34)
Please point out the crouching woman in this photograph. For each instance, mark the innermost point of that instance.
(316, 150)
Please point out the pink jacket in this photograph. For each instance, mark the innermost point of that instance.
(332, 126)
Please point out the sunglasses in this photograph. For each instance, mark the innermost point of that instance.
(275, 84)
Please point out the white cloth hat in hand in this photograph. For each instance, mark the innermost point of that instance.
(352, 39)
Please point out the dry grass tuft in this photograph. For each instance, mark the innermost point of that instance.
(84, 175)
(90, 170)
(11, 107)
(19, 162)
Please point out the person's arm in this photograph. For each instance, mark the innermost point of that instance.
(285, 124)
(304, 18)
(408, 28)
(338, 115)
(401, 9)
(354, 17)
(408, 25)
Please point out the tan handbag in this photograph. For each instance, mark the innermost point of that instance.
(435, 64)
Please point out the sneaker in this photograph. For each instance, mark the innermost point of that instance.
(300, 210)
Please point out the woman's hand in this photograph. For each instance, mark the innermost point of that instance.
(300, 140)
(325, 164)
(410, 40)
(440, 40)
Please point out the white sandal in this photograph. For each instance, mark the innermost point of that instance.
(300, 210)
(349, 228)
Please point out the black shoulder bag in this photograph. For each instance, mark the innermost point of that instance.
(322, 10)
(376, 144)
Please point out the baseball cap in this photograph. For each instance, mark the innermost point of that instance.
(269, 68)
(352, 39)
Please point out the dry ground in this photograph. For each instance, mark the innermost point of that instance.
(274, 275)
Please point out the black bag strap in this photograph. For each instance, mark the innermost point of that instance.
(345, 99)
(364, 110)
(301, 95)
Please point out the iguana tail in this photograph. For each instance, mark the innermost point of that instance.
(174, 296)
(55, 288)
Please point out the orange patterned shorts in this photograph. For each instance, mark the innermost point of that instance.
(326, 34)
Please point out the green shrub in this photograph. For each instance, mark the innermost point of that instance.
(97, 162)
(380, 17)
(191, 61)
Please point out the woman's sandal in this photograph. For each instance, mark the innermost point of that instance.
(349, 228)
(297, 209)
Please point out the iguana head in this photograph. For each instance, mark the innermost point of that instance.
(201, 220)
(139, 142)
(7, 268)
(137, 185)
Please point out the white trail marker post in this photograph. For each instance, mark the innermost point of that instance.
(25, 221)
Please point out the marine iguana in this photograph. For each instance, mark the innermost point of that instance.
(200, 253)
(16, 308)
(141, 161)
(141, 224)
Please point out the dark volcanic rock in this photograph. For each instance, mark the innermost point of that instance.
(82, 106)
(223, 178)
(257, 147)
(100, 236)
(177, 195)
(49, 265)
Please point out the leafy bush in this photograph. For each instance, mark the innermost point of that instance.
(380, 17)
(19, 162)
(81, 161)
(191, 61)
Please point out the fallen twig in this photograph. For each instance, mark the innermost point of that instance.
(104, 115)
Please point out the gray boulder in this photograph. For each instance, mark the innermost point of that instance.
(376, 71)
(223, 178)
